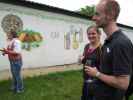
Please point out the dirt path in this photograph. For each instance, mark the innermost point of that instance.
(30, 72)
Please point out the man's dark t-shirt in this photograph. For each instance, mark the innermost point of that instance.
(116, 59)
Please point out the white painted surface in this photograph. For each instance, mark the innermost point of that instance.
(51, 51)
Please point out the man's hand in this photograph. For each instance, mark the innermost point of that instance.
(91, 71)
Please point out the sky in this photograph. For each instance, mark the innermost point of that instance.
(125, 17)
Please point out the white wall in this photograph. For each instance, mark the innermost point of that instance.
(129, 33)
(51, 51)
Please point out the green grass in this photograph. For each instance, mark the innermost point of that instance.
(57, 86)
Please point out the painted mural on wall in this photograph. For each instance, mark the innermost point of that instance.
(11, 22)
(73, 38)
(30, 38)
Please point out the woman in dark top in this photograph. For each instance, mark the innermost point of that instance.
(91, 56)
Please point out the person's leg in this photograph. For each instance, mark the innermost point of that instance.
(102, 98)
(90, 97)
(19, 82)
(83, 92)
(86, 95)
(13, 81)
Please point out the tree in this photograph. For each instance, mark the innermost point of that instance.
(87, 10)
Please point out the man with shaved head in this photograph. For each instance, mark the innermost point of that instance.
(112, 78)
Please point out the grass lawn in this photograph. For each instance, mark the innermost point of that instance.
(56, 86)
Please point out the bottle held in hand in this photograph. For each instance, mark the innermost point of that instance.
(80, 58)
(89, 63)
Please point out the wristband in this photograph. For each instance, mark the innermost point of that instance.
(98, 74)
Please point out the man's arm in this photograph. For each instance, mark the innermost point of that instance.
(120, 82)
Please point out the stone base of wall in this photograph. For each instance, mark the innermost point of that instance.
(30, 72)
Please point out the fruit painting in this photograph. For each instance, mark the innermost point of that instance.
(30, 39)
